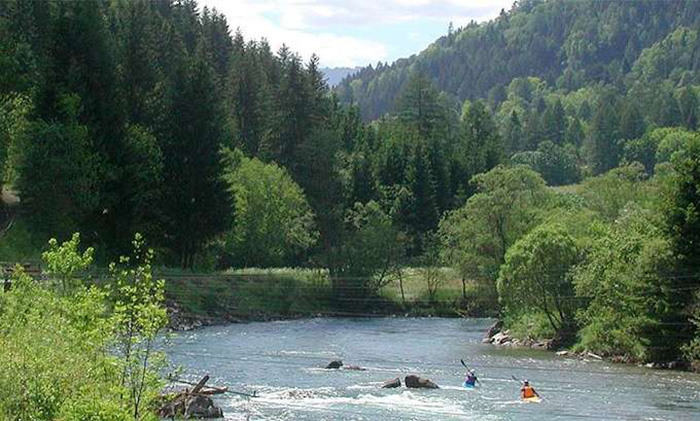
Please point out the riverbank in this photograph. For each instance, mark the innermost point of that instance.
(497, 336)
(195, 300)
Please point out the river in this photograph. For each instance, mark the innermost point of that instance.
(282, 362)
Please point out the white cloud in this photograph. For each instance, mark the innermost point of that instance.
(316, 26)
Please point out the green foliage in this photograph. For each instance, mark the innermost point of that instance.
(18, 244)
(476, 237)
(272, 220)
(625, 282)
(680, 209)
(535, 277)
(555, 163)
(691, 350)
(56, 343)
(608, 194)
(57, 173)
(64, 262)
(671, 141)
(138, 317)
(374, 248)
(14, 110)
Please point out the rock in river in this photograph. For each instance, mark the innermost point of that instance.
(334, 365)
(416, 382)
(392, 384)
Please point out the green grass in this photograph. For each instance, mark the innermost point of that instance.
(18, 245)
(292, 292)
(250, 293)
(416, 287)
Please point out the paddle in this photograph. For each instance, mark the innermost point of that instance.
(465, 366)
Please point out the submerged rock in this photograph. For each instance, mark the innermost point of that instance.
(392, 384)
(415, 382)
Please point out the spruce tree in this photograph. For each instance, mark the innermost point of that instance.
(574, 132)
(632, 125)
(196, 204)
(554, 123)
(425, 212)
(514, 136)
(605, 137)
(688, 104)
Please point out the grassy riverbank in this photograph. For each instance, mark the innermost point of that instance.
(294, 292)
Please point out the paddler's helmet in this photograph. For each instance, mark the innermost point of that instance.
(526, 383)
(472, 371)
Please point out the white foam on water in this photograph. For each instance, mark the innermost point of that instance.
(461, 388)
(405, 402)
(367, 386)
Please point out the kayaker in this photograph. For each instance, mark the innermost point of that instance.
(471, 379)
(528, 391)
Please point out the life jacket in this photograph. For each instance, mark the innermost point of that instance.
(527, 392)
(471, 380)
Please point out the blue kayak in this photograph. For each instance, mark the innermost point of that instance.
(469, 386)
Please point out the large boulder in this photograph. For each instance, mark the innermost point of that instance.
(334, 365)
(501, 338)
(392, 384)
(415, 382)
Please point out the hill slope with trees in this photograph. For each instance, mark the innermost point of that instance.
(566, 44)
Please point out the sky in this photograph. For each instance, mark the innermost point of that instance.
(349, 33)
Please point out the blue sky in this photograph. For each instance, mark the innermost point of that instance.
(353, 33)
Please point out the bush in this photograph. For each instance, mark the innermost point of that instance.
(56, 338)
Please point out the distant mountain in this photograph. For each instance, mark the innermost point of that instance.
(567, 44)
(335, 74)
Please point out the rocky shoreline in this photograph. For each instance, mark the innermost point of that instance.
(496, 336)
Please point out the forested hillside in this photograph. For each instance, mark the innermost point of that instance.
(549, 157)
(568, 45)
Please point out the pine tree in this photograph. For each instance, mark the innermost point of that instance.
(479, 147)
(532, 132)
(247, 98)
(632, 125)
(292, 121)
(688, 103)
(574, 132)
(668, 114)
(418, 105)
(425, 213)
(514, 136)
(82, 61)
(554, 123)
(604, 135)
(196, 205)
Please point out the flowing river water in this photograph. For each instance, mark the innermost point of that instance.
(282, 362)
